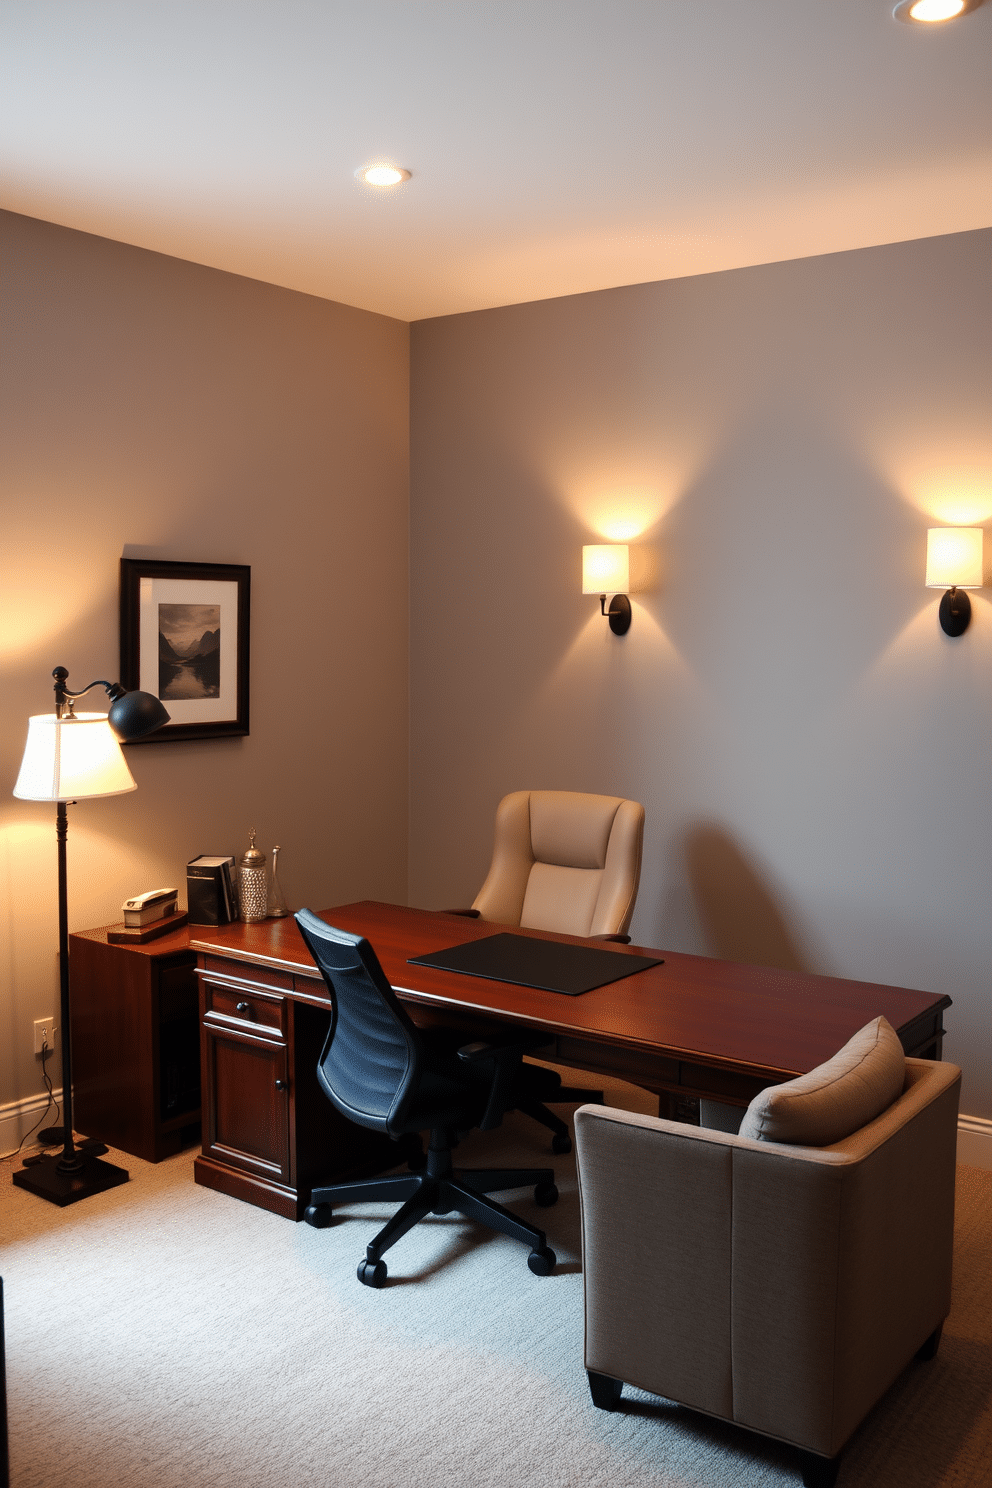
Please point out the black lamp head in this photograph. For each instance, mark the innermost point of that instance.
(134, 714)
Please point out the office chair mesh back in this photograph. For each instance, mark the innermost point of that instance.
(371, 1059)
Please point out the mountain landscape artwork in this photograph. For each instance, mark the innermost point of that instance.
(188, 651)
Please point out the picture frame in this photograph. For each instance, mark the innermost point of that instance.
(185, 632)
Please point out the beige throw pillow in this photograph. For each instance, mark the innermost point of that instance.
(837, 1097)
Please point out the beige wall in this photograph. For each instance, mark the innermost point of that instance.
(157, 408)
(812, 751)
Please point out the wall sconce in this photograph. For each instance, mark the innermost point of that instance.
(606, 570)
(954, 558)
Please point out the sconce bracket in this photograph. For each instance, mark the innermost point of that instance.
(618, 613)
(954, 612)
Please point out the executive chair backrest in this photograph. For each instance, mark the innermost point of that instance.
(564, 861)
(370, 1063)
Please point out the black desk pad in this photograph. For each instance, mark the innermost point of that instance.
(550, 965)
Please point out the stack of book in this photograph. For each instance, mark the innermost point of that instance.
(210, 890)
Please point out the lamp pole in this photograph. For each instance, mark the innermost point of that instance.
(70, 1161)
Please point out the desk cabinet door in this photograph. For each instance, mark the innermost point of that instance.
(248, 1103)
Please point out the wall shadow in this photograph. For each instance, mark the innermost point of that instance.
(736, 907)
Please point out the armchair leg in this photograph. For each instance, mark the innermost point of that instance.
(605, 1390)
(818, 1472)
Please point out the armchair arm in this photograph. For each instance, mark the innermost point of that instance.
(656, 1203)
(621, 939)
(468, 914)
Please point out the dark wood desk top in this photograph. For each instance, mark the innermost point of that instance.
(748, 1019)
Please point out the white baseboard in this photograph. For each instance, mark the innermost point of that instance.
(18, 1117)
(975, 1142)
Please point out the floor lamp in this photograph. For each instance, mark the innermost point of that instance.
(69, 756)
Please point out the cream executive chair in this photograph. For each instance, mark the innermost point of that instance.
(781, 1278)
(569, 862)
(565, 861)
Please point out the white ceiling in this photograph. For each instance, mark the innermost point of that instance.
(556, 146)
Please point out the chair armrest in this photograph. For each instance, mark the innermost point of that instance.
(468, 914)
(504, 1062)
(621, 939)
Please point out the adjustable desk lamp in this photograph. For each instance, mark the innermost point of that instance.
(68, 756)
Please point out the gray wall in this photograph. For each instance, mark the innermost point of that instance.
(812, 751)
(173, 411)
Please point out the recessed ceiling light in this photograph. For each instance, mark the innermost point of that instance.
(382, 175)
(930, 11)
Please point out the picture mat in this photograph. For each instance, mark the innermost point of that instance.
(153, 592)
(548, 965)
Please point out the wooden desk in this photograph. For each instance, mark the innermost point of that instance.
(692, 1025)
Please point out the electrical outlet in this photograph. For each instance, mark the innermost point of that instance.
(44, 1033)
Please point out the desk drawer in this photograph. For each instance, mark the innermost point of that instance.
(232, 1006)
(223, 969)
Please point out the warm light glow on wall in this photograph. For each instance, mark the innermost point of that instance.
(621, 530)
(616, 511)
(945, 475)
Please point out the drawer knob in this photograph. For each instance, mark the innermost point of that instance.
(244, 1007)
(281, 1084)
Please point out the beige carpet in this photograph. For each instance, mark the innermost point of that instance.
(165, 1335)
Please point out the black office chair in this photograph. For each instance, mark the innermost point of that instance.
(378, 1072)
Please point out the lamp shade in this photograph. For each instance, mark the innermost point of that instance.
(68, 758)
(606, 568)
(954, 557)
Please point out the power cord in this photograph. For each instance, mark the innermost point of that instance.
(50, 1136)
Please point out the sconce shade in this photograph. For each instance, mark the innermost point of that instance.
(66, 759)
(606, 568)
(954, 558)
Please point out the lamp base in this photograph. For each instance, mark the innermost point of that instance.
(44, 1179)
(954, 612)
(619, 614)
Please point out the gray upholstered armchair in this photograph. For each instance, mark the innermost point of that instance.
(780, 1286)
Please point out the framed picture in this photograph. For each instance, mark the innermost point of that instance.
(184, 639)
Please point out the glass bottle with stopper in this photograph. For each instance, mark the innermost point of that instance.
(277, 899)
(253, 888)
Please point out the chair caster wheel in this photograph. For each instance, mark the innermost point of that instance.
(542, 1262)
(318, 1215)
(372, 1273)
(561, 1143)
(545, 1194)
